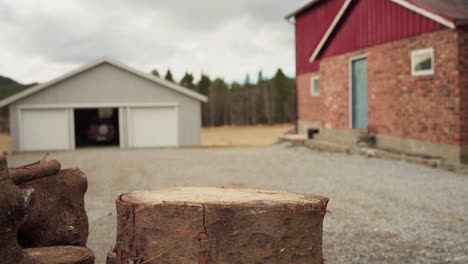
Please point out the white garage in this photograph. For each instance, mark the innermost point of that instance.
(142, 132)
(38, 124)
(104, 103)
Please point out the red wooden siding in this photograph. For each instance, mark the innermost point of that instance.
(372, 22)
(311, 25)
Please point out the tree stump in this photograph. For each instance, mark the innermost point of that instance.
(62, 255)
(14, 204)
(57, 214)
(218, 225)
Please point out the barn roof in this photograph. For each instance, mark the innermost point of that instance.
(152, 78)
(302, 7)
(454, 11)
(449, 13)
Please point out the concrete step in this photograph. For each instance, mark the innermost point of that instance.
(343, 140)
(348, 137)
(328, 146)
(374, 153)
(298, 138)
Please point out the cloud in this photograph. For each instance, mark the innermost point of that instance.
(43, 39)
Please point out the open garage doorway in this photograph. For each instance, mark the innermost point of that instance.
(96, 127)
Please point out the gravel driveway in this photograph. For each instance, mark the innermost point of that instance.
(380, 211)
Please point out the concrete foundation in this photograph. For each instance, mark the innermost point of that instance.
(451, 153)
(304, 125)
(349, 138)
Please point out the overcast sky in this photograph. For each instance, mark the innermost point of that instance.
(40, 40)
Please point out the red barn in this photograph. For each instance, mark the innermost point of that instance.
(395, 69)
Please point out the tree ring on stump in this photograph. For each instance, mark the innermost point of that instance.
(62, 255)
(209, 195)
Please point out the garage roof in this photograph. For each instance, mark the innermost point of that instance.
(155, 79)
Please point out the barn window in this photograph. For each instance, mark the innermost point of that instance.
(315, 86)
(422, 62)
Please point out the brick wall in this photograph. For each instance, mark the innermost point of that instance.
(310, 108)
(463, 55)
(424, 108)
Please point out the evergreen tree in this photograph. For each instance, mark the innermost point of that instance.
(283, 91)
(203, 87)
(247, 82)
(187, 81)
(260, 77)
(168, 76)
(155, 73)
(237, 107)
(217, 101)
(279, 91)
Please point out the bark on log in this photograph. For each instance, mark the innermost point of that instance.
(34, 171)
(62, 255)
(14, 205)
(111, 257)
(217, 225)
(57, 215)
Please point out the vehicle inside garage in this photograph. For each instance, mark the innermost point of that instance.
(96, 127)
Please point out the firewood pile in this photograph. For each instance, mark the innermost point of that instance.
(42, 214)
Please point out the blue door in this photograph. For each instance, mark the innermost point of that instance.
(359, 93)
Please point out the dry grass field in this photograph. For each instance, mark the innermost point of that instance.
(229, 136)
(243, 136)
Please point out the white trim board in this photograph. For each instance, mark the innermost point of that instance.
(157, 80)
(330, 30)
(99, 105)
(301, 8)
(435, 17)
(425, 13)
(121, 128)
(71, 127)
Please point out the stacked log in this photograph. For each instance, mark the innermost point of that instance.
(41, 205)
(57, 215)
(218, 225)
(14, 206)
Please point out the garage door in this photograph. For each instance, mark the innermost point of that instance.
(153, 127)
(45, 129)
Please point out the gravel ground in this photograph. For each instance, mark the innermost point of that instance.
(380, 211)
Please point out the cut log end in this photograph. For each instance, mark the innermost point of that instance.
(62, 255)
(210, 195)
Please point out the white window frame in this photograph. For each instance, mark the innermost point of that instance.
(312, 83)
(413, 63)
